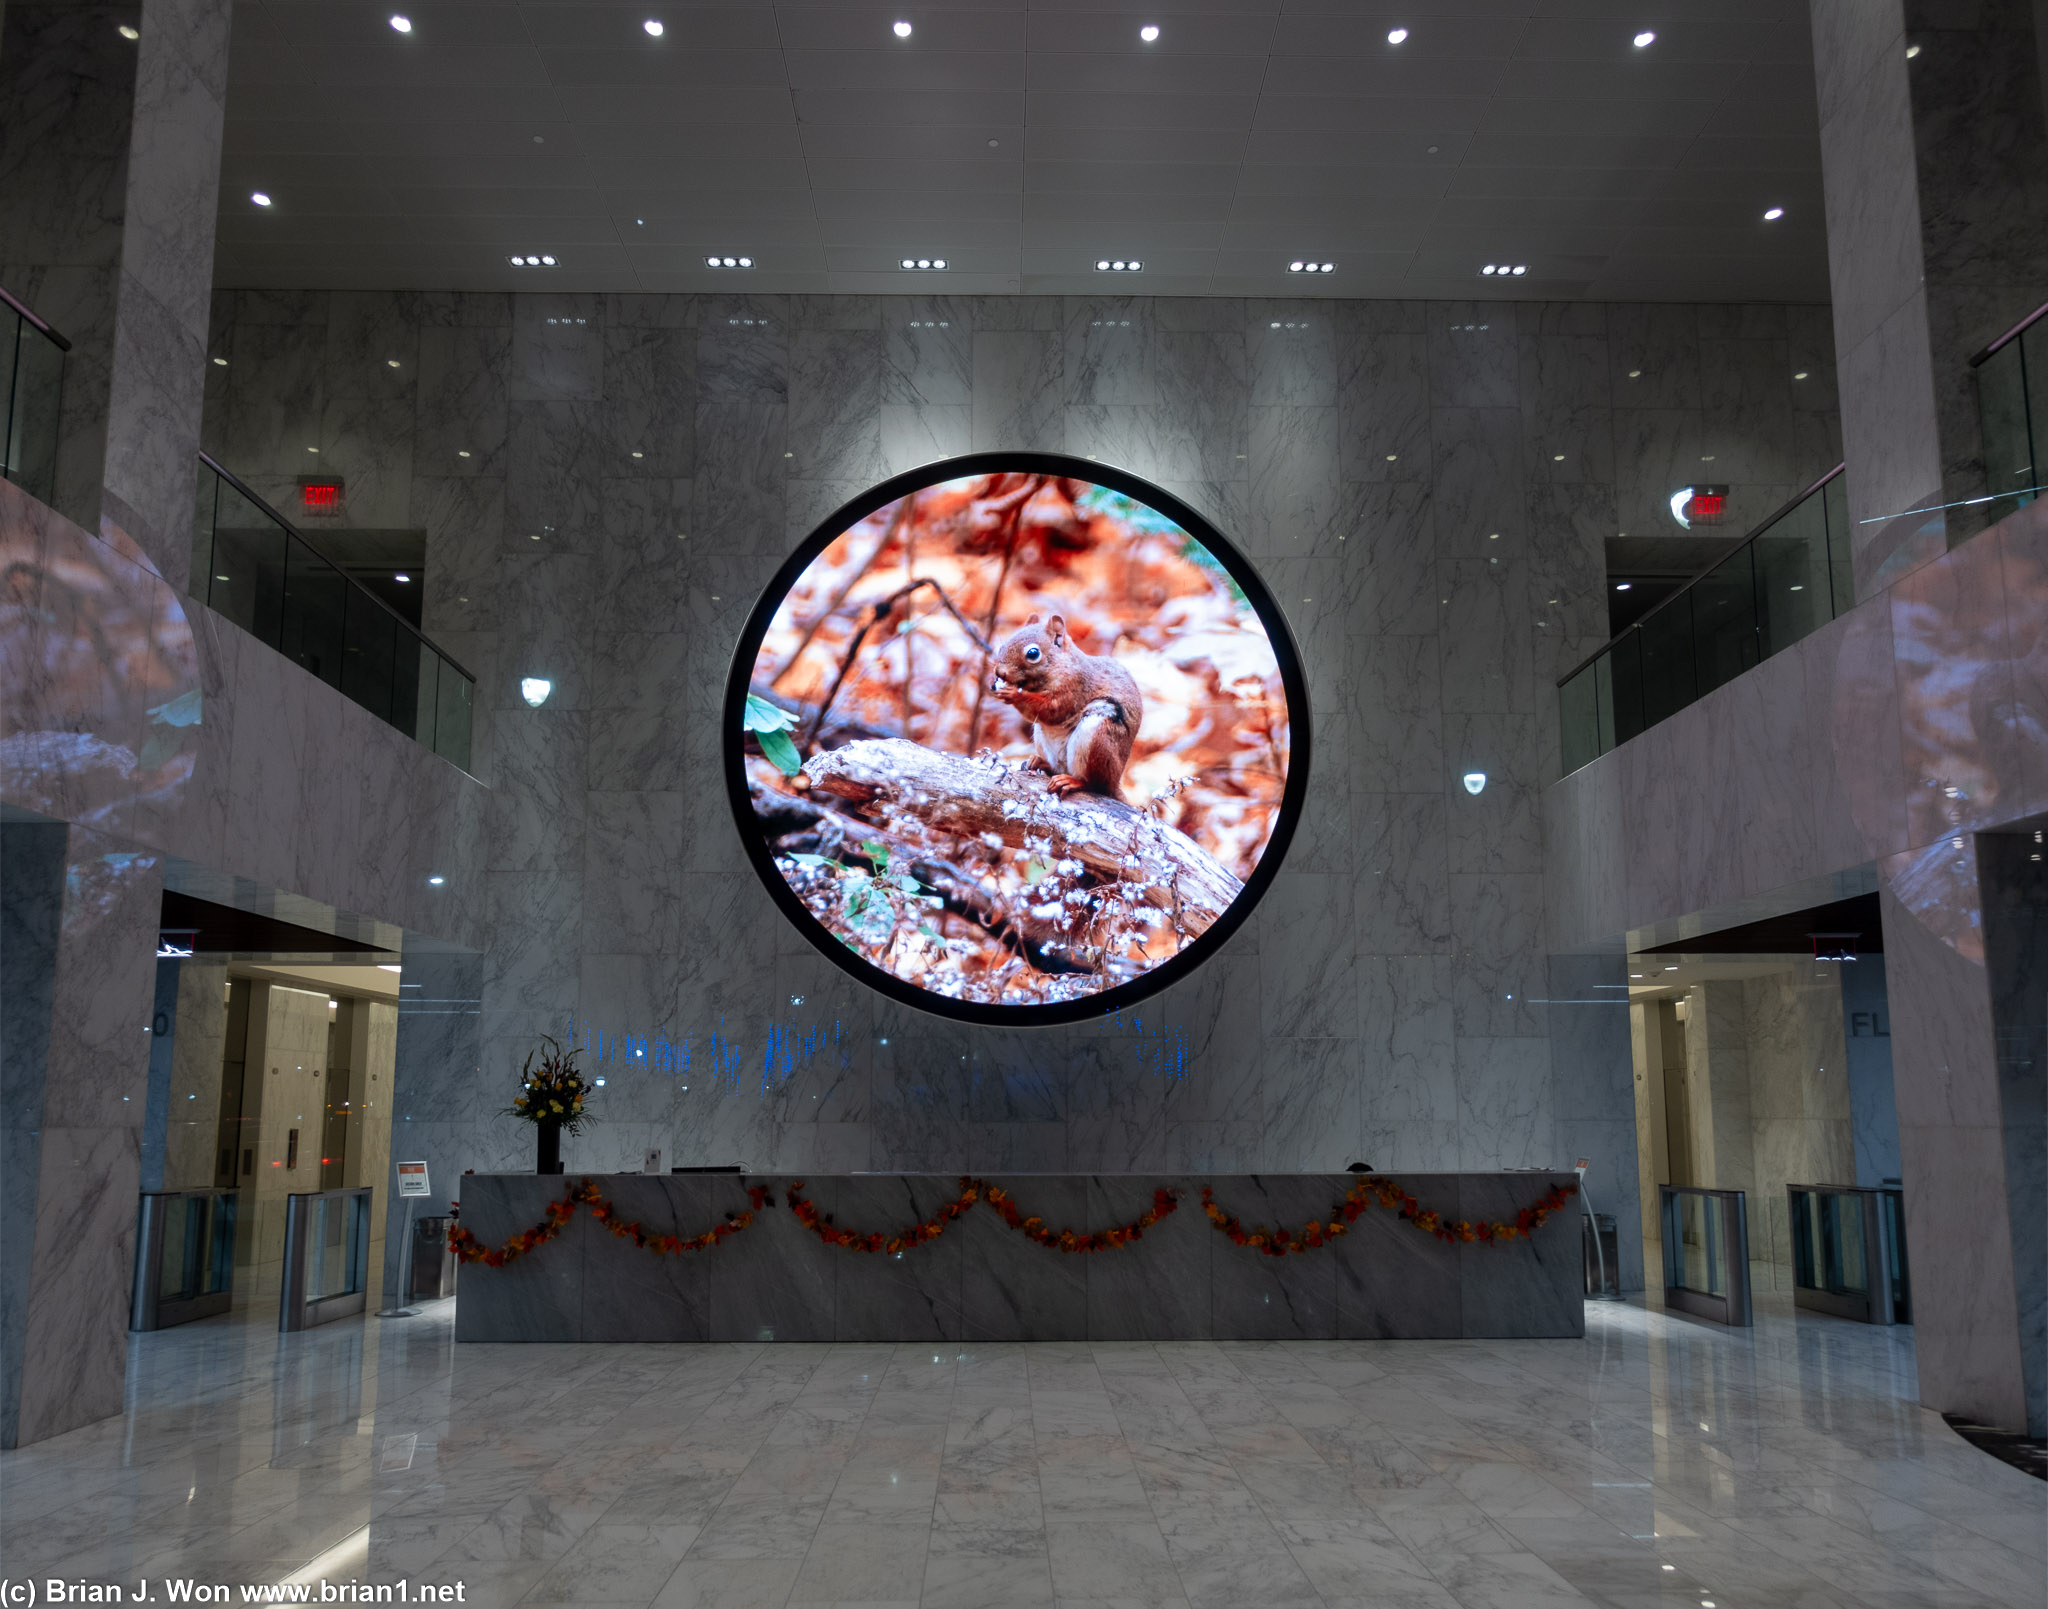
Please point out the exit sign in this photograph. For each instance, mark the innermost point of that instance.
(321, 497)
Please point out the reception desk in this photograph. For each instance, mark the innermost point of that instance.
(981, 1280)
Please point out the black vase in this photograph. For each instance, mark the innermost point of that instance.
(550, 1158)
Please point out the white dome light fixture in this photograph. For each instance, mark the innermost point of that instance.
(400, 23)
(1645, 39)
(1149, 32)
(1475, 782)
(535, 690)
(653, 27)
(1773, 214)
(900, 28)
(1396, 35)
(259, 198)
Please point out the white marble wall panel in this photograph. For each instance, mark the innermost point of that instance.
(1375, 460)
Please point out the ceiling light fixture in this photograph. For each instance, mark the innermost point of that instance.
(924, 262)
(400, 23)
(728, 262)
(1475, 782)
(1801, 375)
(544, 260)
(401, 576)
(1304, 266)
(1911, 50)
(900, 29)
(1773, 214)
(1149, 32)
(126, 31)
(222, 362)
(1645, 39)
(1505, 268)
(1396, 35)
(653, 27)
(1623, 586)
(535, 689)
(436, 882)
(1118, 265)
(259, 198)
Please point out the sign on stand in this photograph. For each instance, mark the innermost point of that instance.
(412, 1179)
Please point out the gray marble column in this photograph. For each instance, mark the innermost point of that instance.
(80, 914)
(109, 179)
(1935, 171)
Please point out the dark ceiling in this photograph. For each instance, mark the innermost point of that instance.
(1023, 142)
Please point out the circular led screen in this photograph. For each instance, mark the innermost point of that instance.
(1016, 738)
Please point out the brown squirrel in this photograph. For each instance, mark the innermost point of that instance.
(1084, 709)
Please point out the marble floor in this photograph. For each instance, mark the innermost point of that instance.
(1657, 1462)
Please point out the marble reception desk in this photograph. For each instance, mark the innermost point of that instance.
(983, 1281)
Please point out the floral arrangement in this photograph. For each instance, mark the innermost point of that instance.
(584, 1193)
(1317, 1233)
(552, 1092)
(971, 1191)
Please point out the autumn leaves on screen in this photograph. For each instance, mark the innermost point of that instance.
(1016, 738)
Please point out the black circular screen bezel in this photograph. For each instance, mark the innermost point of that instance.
(733, 743)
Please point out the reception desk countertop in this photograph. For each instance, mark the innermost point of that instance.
(984, 1281)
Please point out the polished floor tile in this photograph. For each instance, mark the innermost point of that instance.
(1657, 1464)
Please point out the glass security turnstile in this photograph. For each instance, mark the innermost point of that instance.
(184, 1257)
(1706, 1252)
(1849, 1252)
(326, 1257)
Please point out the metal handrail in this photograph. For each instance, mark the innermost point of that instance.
(1978, 360)
(1652, 613)
(311, 547)
(30, 314)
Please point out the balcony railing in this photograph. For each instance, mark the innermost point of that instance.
(1787, 578)
(250, 564)
(2012, 400)
(34, 388)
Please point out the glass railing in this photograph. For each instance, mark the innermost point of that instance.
(1788, 577)
(34, 389)
(251, 565)
(2012, 401)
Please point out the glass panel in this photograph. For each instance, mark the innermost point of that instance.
(315, 596)
(2034, 361)
(1805, 1239)
(2002, 406)
(451, 717)
(426, 690)
(35, 385)
(1621, 694)
(1724, 620)
(1842, 1241)
(368, 655)
(247, 584)
(220, 1265)
(1693, 1241)
(1834, 498)
(1578, 709)
(1665, 639)
(1792, 576)
(333, 1267)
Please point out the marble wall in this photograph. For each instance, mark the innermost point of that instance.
(605, 484)
(1798, 1098)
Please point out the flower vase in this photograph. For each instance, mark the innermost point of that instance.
(550, 1158)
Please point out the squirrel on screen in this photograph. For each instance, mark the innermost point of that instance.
(1084, 709)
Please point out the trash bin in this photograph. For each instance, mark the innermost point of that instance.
(1603, 1262)
(433, 1264)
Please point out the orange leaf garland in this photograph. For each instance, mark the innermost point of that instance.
(584, 1193)
(1316, 1234)
(821, 1225)
(1163, 1202)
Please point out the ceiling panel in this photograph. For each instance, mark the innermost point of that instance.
(813, 139)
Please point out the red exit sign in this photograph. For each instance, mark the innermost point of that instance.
(320, 497)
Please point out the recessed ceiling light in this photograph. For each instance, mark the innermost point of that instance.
(900, 29)
(437, 881)
(223, 362)
(1801, 375)
(401, 23)
(924, 262)
(1149, 32)
(1118, 265)
(1635, 374)
(1911, 50)
(391, 363)
(1773, 214)
(259, 198)
(401, 576)
(462, 452)
(127, 32)
(653, 27)
(1623, 586)
(1301, 265)
(1645, 38)
(728, 262)
(1396, 35)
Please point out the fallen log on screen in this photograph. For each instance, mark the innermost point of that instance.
(990, 801)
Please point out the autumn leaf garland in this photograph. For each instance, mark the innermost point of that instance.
(1317, 1233)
